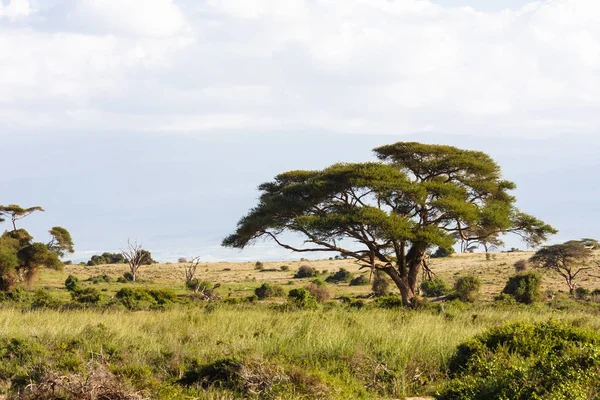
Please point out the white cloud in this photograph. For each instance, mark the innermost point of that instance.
(15, 9)
(359, 66)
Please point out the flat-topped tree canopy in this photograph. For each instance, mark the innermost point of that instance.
(416, 197)
(16, 212)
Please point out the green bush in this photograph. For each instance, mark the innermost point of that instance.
(99, 279)
(43, 299)
(138, 299)
(435, 287)
(284, 268)
(267, 290)
(342, 275)
(86, 296)
(582, 293)
(72, 284)
(389, 302)
(526, 361)
(360, 280)
(306, 271)
(381, 284)
(524, 287)
(301, 298)
(443, 252)
(467, 288)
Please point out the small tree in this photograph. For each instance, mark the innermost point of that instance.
(467, 288)
(525, 287)
(16, 212)
(61, 242)
(190, 274)
(135, 257)
(567, 259)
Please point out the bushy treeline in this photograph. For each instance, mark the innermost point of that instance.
(118, 258)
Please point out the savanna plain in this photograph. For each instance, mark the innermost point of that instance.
(261, 330)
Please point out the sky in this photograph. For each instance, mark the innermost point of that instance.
(155, 120)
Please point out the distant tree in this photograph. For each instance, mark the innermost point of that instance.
(16, 212)
(567, 259)
(587, 242)
(21, 257)
(443, 251)
(190, 269)
(418, 196)
(61, 242)
(135, 257)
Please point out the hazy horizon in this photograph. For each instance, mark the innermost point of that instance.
(157, 121)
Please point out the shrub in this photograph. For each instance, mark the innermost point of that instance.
(467, 288)
(320, 292)
(284, 268)
(99, 279)
(182, 260)
(306, 271)
(435, 287)
(381, 284)
(87, 296)
(267, 290)
(302, 298)
(72, 284)
(342, 275)
(360, 280)
(136, 299)
(582, 293)
(43, 299)
(128, 276)
(259, 266)
(443, 252)
(389, 302)
(524, 287)
(526, 361)
(520, 266)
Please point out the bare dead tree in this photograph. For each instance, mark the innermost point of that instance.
(135, 257)
(190, 274)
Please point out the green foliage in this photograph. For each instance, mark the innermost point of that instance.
(442, 252)
(72, 284)
(381, 284)
(8, 272)
(43, 299)
(106, 258)
(360, 280)
(97, 279)
(301, 298)
(342, 275)
(88, 295)
(525, 361)
(267, 290)
(567, 259)
(525, 287)
(582, 293)
(467, 288)
(462, 188)
(306, 271)
(389, 302)
(435, 287)
(284, 268)
(139, 299)
(61, 243)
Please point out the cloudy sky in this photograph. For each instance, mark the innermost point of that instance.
(157, 119)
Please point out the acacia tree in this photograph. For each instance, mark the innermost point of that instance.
(567, 259)
(21, 257)
(61, 242)
(387, 214)
(16, 212)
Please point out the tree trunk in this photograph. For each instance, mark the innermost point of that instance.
(406, 276)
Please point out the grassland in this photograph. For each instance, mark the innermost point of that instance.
(194, 349)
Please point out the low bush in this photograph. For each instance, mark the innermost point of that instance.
(267, 290)
(72, 284)
(342, 275)
(360, 280)
(138, 299)
(86, 296)
(301, 298)
(97, 279)
(389, 302)
(524, 287)
(467, 288)
(381, 284)
(284, 268)
(435, 287)
(526, 361)
(259, 266)
(306, 271)
(582, 293)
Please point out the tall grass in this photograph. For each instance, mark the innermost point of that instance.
(370, 353)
